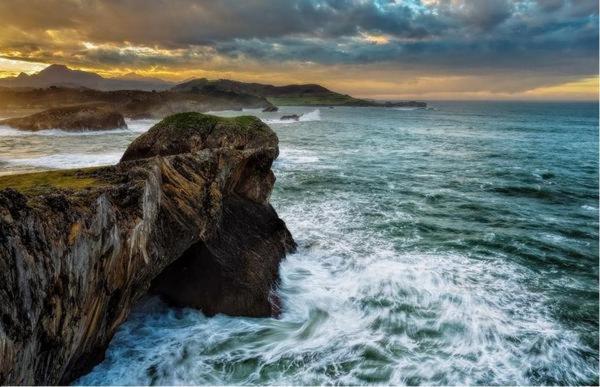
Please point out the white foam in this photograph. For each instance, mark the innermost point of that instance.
(408, 108)
(134, 126)
(296, 156)
(141, 125)
(357, 311)
(65, 161)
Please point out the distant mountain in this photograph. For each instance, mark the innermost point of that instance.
(299, 95)
(61, 75)
(309, 94)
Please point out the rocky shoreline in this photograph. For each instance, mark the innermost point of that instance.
(71, 118)
(185, 214)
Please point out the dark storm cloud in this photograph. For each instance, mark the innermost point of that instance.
(444, 35)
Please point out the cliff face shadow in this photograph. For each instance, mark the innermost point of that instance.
(235, 272)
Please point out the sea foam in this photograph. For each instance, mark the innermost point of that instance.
(66, 160)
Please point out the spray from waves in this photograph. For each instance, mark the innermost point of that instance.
(366, 303)
(315, 115)
(408, 108)
(66, 160)
(295, 156)
(357, 311)
(133, 126)
(140, 125)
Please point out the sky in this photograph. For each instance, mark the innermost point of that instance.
(383, 49)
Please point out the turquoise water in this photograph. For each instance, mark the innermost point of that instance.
(453, 245)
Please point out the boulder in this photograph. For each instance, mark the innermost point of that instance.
(70, 118)
(270, 109)
(184, 215)
(291, 117)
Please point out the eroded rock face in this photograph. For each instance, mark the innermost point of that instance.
(191, 221)
(71, 118)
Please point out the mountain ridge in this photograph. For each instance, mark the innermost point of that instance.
(61, 75)
(309, 94)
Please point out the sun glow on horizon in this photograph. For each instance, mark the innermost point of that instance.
(425, 88)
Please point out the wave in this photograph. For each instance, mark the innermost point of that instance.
(141, 125)
(315, 115)
(358, 311)
(537, 192)
(133, 126)
(408, 108)
(66, 161)
(296, 156)
(388, 322)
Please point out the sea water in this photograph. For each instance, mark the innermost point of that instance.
(451, 245)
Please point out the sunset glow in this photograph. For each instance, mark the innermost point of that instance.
(412, 49)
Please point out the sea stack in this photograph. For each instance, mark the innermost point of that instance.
(270, 109)
(185, 214)
(71, 118)
(291, 117)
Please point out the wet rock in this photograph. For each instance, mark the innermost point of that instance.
(271, 109)
(71, 118)
(189, 220)
(291, 117)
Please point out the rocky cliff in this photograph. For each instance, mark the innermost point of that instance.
(130, 103)
(185, 215)
(71, 118)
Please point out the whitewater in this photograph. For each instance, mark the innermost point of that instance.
(454, 245)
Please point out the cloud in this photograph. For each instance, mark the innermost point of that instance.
(540, 39)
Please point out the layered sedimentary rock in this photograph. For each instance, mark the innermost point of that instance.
(184, 214)
(70, 118)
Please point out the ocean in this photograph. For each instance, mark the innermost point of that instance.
(456, 244)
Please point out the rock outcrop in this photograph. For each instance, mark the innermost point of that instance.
(291, 117)
(185, 214)
(270, 109)
(71, 118)
(130, 103)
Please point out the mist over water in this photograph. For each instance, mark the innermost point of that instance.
(454, 245)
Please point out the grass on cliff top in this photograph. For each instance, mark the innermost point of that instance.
(313, 100)
(200, 120)
(45, 182)
(180, 124)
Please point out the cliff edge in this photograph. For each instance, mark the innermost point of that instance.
(185, 215)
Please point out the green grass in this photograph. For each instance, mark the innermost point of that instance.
(179, 124)
(333, 99)
(45, 182)
(200, 120)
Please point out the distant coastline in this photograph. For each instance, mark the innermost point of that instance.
(58, 85)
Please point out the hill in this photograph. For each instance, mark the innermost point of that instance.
(60, 75)
(130, 103)
(297, 95)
